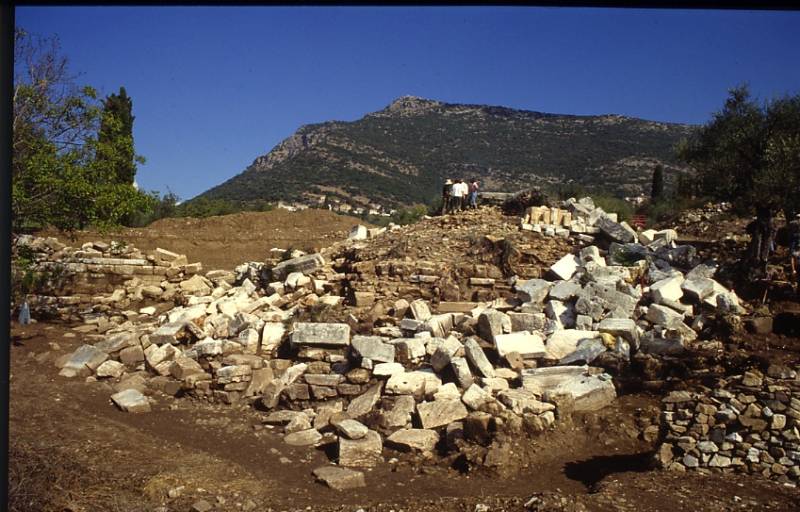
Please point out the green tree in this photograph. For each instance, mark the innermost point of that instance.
(57, 178)
(657, 189)
(115, 138)
(749, 154)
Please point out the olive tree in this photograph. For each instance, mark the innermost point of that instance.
(749, 154)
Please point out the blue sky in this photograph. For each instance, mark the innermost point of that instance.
(215, 87)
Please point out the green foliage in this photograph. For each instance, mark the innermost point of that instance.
(115, 138)
(657, 190)
(622, 208)
(748, 153)
(57, 177)
(158, 207)
(27, 278)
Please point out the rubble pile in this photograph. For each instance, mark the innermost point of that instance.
(746, 423)
(579, 218)
(100, 277)
(467, 257)
(447, 339)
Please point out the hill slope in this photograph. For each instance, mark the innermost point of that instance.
(403, 153)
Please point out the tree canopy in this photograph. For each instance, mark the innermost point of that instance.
(63, 173)
(749, 153)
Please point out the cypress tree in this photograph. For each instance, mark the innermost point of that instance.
(657, 190)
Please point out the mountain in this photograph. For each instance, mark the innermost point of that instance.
(402, 154)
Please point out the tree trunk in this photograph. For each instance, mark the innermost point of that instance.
(762, 238)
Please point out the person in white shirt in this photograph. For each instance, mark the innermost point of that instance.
(460, 190)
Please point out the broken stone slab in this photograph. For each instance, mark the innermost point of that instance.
(419, 310)
(373, 347)
(419, 439)
(110, 368)
(408, 350)
(522, 401)
(359, 232)
(340, 479)
(321, 334)
(564, 342)
(566, 267)
(527, 344)
(305, 264)
(565, 290)
(444, 353)
(365, 402)
(440, 325)
(475, 397)
(477, 357)
(196, 285)
(492, 323)
(306, 437)
(698, 288)
(448, 391)
(418, 383)
(533, 290)
(399, 415)
(539, 380)
(589, 392)
(616, 231)
(83, 362)
(587, 351)
(117, 342)
(131, 400)
(562, 313)
(387, 369)
(440, 412)
(624, 327)
(364, 452)
(651, 343)
(669, 288)
(351, 428)
(663, 315)
(462, 372)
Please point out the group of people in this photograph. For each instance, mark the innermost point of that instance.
(457, 195)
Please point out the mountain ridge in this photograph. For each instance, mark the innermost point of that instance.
(373, 159)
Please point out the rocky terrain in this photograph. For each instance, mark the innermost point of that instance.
(402, 154)
(475, 347)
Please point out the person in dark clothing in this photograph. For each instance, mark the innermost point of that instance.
(473, 194)
(447, 196)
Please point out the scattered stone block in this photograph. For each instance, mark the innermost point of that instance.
(364, 452)
(340, 479)
(440, 412)
(131, 400)
(418, 439)
(528, 345)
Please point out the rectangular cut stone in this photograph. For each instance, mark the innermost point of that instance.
(527, 321)
(565, 267)
(528, 345)
(441, 412)
(321, 334)
(457, 307)
(669, 288)
(83, 361)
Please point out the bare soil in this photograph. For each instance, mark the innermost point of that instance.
(72, 450)
(222, 242)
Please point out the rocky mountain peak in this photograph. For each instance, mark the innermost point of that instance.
(411, 105)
